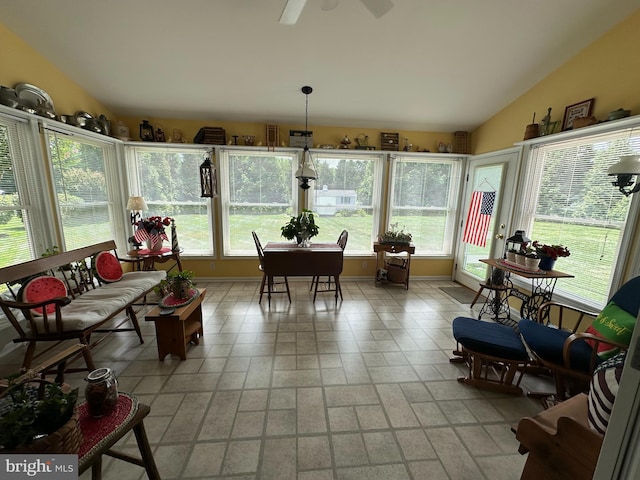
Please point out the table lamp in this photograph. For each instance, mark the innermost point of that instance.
(135, 205)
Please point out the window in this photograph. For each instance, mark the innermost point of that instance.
(258, 192)
(424, 195)
(569, 200)
(21, 205)
(347, 197)
(83, 173)
(169, 180)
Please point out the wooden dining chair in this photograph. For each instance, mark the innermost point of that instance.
(342, 243)
(274, 289)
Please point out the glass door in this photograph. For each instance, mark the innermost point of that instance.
(492, 177)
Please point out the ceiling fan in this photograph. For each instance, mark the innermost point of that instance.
(293, 8)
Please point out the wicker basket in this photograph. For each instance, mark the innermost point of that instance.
(66, 439)
(397, 270)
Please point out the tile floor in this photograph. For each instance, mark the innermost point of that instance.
(358, 390)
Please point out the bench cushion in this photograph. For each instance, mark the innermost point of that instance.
(489, 338)
(94, 306)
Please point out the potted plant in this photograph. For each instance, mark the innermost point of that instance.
(180, 284)
(34, 408)
(152, 230)
(302, 228)
(395, 236)
(549, 254)
(531, 259)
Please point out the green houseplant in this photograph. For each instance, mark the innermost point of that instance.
(395, 235)
(301, 227)
(178, 283)
(33, 408)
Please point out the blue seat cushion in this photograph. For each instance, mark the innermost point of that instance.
(547, 343)
(489, 338)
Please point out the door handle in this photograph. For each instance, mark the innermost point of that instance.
(500, 236)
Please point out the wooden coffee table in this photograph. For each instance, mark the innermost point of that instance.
(175, 331)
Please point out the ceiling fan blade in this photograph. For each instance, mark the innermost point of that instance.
(292, 11)
(328, 5)
(378, 7)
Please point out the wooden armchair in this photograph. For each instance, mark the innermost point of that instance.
(560, 443)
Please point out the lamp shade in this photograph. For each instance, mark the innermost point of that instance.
(136, 203)
(628, 164)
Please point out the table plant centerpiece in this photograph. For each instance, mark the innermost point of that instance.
(549, 254)
(152, 230)
(302, 228)
(395, 236)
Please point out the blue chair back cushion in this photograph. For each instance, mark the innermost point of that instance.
(489, 338)
(548, 342)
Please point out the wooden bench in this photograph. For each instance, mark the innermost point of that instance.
(89, 305)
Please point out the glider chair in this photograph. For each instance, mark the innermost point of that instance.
(342, 243)
(572, 356)
(285, 282)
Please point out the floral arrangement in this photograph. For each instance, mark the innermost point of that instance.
(152, 228)
(552, 251)
(303, 223)
(395, 235)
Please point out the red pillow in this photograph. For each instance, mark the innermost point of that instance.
(43, 288)
(107, 267)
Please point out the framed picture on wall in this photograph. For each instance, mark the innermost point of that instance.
(577, 110)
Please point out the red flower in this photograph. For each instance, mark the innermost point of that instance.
(553, 251)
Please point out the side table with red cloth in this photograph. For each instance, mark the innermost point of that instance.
(100, 434)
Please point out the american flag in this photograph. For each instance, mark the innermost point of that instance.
(478, 218)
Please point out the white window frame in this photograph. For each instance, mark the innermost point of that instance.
(378, 159)
(222, 158)
(132, 149)
(457, 164)
(627, 265)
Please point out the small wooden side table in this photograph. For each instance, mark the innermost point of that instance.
(175, 331)
(383, 250)
(100, 434)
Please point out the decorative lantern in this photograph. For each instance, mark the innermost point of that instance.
(208, 184)
(146, 131)
(518, 242)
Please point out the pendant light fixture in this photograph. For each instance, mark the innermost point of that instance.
(306, 171)
(624, 170)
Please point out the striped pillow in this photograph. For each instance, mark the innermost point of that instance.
(603, 391)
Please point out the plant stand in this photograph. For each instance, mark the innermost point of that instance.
(393, 263)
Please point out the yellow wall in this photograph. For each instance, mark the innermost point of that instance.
(608, 70)
(21, 64)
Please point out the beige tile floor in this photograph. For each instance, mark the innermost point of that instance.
(358, 390)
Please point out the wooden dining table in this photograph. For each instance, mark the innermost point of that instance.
(289, 260)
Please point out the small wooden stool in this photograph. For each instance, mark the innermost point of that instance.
(100, 434)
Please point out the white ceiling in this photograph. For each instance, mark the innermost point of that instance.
(427, 65)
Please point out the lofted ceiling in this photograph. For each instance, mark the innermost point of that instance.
(427, 65)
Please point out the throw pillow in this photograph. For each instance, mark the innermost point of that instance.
(107, 267)
(603, 391)
(614, 324)
(43, 288)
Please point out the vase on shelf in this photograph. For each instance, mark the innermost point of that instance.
(546, 263)
(154, 244)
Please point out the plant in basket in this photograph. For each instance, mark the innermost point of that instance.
(180, 284)
(395, 235)
(34, 410)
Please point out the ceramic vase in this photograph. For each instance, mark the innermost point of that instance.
(154, 244)
(531, 262)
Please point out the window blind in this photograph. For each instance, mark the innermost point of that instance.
(569, 200)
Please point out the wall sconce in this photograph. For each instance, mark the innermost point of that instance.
(136, 205)
(306, 171)
(208, 181)
(625, 169)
